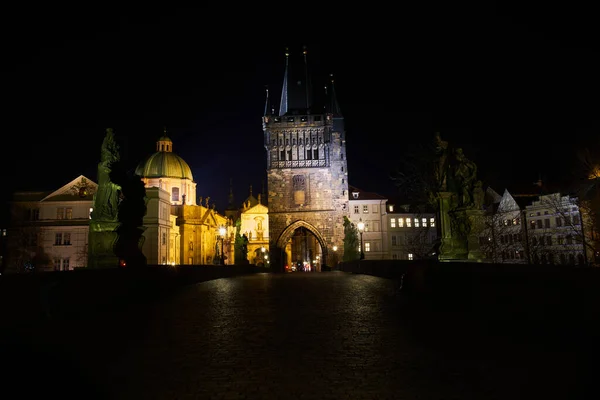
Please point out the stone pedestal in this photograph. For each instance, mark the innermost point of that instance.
(475, 218)
(454, 239)
(101, 242)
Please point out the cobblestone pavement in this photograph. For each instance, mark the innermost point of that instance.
(327, 335)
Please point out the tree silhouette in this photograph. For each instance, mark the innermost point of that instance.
(351, 251)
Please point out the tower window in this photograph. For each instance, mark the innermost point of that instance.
(175, 194)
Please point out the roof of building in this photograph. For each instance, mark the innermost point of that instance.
(355, 193)
(164, 163)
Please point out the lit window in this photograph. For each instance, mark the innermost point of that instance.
(408, 222)
(391, 208)
(416, 222)
(365, 209)
(367, 246)
(424, 220)
(400, 222)
(393, 222)
(432, 222)
(410, 256)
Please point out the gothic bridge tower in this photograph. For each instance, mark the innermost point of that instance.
(307, 174)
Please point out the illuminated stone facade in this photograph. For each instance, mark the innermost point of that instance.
(49, 230)
(307, 172)
(255, 225)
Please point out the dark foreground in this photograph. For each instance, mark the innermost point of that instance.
(331, 335)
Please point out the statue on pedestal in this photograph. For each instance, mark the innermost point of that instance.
(458, 193)
(116, 225)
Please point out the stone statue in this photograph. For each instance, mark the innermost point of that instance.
(464, 176)
(116, 224)
(106, 199)
(440, 167)
(478, 195)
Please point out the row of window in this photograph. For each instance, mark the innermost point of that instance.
(33, 214)
(535, 240)
(560, 221)
(412, 222)
(405, 240)
(287, 155)
(573, 209)
(365, 208)
(306, 141)
(546, 258)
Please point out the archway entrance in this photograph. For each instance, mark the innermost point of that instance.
(301, 248)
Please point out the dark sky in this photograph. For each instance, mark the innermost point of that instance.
(516, 87)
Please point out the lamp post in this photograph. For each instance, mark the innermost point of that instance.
(176, 261)
(222, 232)
(361, 228)
(263, 250)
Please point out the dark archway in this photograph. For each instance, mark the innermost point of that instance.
(290, 232)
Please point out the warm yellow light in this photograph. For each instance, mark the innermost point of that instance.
(334, 248)
(361, 225)
(222, 231)
(595, 173)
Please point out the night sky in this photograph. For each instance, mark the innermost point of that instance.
(517, 88)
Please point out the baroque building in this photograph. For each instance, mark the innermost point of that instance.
(177, 229)
(307, 172)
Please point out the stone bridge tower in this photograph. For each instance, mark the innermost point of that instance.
(307, 174)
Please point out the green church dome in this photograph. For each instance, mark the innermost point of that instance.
(164, 163)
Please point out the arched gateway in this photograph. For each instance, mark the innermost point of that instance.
(307, 175)
(305, 251)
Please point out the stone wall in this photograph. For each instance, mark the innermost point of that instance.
(79, 293)
(553, 297)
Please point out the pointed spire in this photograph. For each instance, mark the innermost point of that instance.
(307, 95)
(267, 102)
(283, 106)
(332, 105)
(231, 192)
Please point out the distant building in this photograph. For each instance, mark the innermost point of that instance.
(536, 229)
(412, 232)
(392, 230)
(49, 230)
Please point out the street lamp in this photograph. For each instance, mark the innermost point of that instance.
(222, 232)
(361, 228)
(263, 250)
